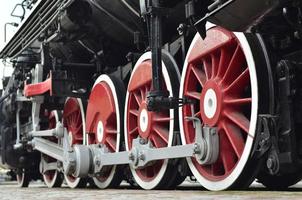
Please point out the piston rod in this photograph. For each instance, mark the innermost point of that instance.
(49, 148)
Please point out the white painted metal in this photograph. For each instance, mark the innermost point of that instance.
(210, 103)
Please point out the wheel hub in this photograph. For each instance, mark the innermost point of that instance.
(100, 131)
(144, 121)
(211, 103)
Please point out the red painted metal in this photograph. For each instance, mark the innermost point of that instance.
(38, 88)
(218, 63)
(101, 108)
(157, 130)
(72, 119)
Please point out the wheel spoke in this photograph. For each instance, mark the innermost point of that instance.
(73, 117)
(234, 65)
(235, 137)
(150, 172)
(193, 94)
(224, 61)
(137, 98)
(78, 130)
(67, 122)
(147, 89)
(157, 142)
(239, 83)
(207, 68)
(71, 111)
(143, 94)
(162, 133)
(92, 123)
(159, 117)
(228, 159)
(215, 65)
(111, 131)
(134, 112)
(217, 168)
(239, 101)
(78, 118)
(78, 137)
(200, 75)
(135, 130)
(111, 143)
(239, 119)
(198, 114)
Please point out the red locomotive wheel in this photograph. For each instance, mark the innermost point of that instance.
(74, 122)
(52, 178)
(220, 75)
(157, 127)
(103, 123)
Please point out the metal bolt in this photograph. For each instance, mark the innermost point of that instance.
(142, 141)
(59, 164)
(197, 149)
(142, 157)
(270, 163)
(181, 29)
(97, 163)
(131, 156)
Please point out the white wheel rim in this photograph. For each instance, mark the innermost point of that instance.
(50, 183)
(20, 179)
(72, 183)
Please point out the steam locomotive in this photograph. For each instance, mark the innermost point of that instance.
(154, 91)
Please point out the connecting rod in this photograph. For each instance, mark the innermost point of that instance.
(81, 160)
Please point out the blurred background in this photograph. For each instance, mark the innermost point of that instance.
(11, 23)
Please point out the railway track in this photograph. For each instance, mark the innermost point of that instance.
(189, 191)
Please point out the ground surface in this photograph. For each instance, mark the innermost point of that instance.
(37, 191)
